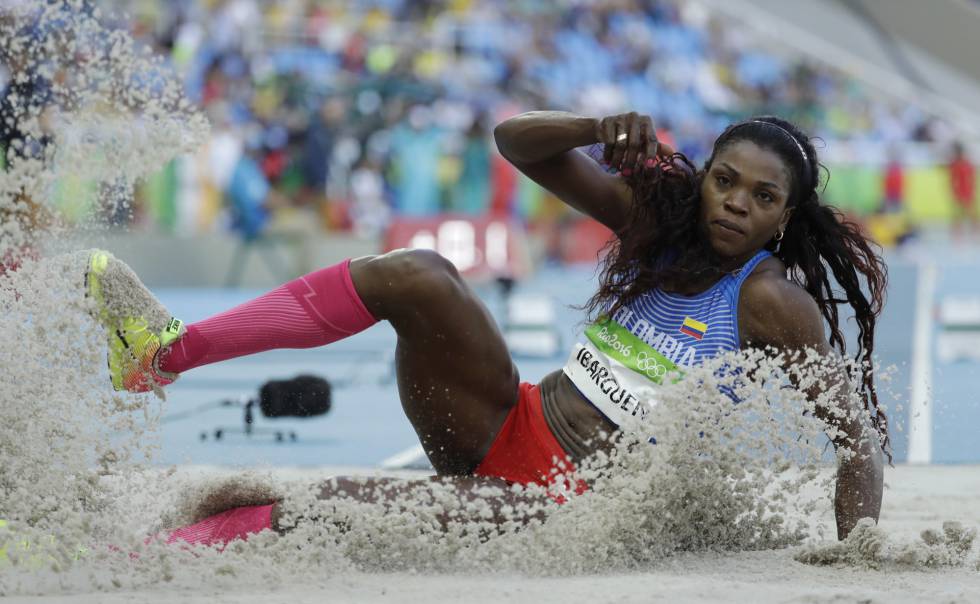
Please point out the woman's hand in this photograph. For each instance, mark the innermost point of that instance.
(546, 147)
(631, 142)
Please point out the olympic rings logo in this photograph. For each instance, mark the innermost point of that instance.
(649, 365)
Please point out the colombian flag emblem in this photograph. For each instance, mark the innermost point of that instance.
(695, 329)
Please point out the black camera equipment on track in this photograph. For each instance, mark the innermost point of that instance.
(303, 396)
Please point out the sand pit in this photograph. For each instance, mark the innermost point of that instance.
(918, 498)
(706, 515)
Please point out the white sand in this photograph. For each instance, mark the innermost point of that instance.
(719, 480)
(918, 498)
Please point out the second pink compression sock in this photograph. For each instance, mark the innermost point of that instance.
(313, 310)
(236, 523)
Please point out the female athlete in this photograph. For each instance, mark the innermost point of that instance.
(733, 256)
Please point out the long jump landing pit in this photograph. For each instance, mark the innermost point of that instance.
(916, 498)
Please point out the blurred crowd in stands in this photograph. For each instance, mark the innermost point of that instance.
(354, 112)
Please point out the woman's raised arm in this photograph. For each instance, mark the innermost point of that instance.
(544, 146)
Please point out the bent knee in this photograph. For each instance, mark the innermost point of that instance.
(410, 276)
(425, 274)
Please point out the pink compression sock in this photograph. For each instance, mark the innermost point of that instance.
(236, 523)
(313, 310)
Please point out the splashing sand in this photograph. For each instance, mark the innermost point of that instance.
(92, 112)
(868, 546)
(724, 483)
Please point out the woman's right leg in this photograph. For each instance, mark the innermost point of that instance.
(456, 379)
(313, 310)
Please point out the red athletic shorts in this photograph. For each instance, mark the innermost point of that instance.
(525, 451)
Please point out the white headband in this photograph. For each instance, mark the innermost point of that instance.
(806, 158)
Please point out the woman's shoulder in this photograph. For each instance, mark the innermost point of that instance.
(775, 310)
(769, 286)
(768, 268)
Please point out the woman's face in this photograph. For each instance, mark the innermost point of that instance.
(743, 200)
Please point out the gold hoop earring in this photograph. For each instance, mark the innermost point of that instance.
(779, 236)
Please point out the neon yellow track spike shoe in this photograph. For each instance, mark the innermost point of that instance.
(15, 549)
(137, 325)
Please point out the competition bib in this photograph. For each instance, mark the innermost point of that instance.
(618, 372)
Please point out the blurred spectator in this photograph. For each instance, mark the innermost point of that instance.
(889, 225)
(962, 180)
(317, 148)
(416, 146)
(472, 191)
(893, 186)
(248, 190)
(370, 212)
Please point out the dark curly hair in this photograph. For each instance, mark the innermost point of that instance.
(818, 241)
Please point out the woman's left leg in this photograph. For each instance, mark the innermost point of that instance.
(505, 505)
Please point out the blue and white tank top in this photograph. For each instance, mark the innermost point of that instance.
(624, 358)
